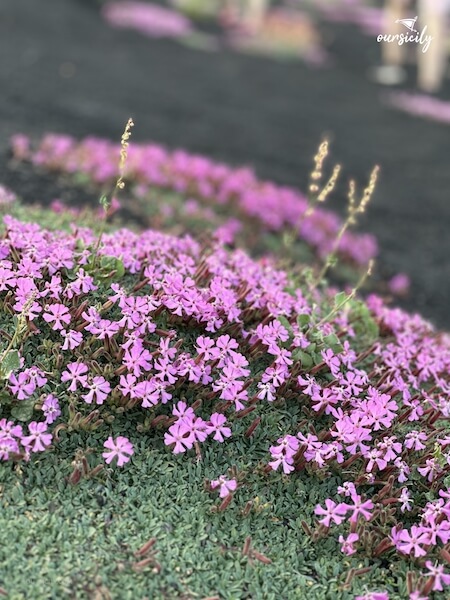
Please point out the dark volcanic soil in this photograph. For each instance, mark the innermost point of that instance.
(62, 69)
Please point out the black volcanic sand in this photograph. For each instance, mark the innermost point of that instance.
(63, 69)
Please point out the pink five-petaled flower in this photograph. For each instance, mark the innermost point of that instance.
(180, 435)
(76, 373)
(216, 424)
(437, 571)
(332, 512)
(120, 447)
(99, 391)
(137, 358)
(182, 410)
(58, 314)
(197, 427)
(205, 346)
(417, 595)
(414, 439)
(407, 542)
(21, 386)
(226, 485)
(38, 440)
(405, 499)
(431, 468)
(347, 544)
(359, 508)
(8, 445)
(72, 339)
(51, 409)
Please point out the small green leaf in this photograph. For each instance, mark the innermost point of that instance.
(23, 410)
(305, 359)
(109, 269)
(317, 358)
(303, 320)
(104, 202)
(109, 264)
(362, 321)
(332, 341)
(340, 299)
(285, 323)
(5, 397)
(10, 363)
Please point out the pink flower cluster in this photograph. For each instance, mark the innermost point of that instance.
(197, 337)
(45, 276)
(188, 429)
(150, 165)
(387, 430)
(14, 441)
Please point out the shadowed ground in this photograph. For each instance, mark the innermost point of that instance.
(62, 69)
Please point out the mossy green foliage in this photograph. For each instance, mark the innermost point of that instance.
(67, 540)
(64, 541)
(50, 219)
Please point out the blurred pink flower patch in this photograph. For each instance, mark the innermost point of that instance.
(7, 197)
(149, 19)
(399, 284)
(421, 105)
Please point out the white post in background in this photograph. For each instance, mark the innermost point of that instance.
(432, 63)
(393, 55)
(254, 13)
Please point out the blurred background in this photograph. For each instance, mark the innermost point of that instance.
(258, 83)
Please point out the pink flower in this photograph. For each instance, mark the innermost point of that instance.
(182, 410)
(227, 486)
(405, 500)
(431, 468)
(347, 544)
(333, 512)
(21, 386)
(76, 373)
(180, 435)
(121, 447)
(99, 391)
(197, 427)
(414, 440)
(407, 542)
(347, 489)
(205, 347)
(399, 284)
(137, 358)
(8, 445)
(51, 409)
(437, 571)
(58, 314)
(216, 425)
(105, 328)
(72, 339)
(8, 428)
(128, 385)
(284, 453)
(82, 285)
(417, 595)
(359, 508)
(38, 440)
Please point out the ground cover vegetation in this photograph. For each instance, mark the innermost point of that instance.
(181, 420)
